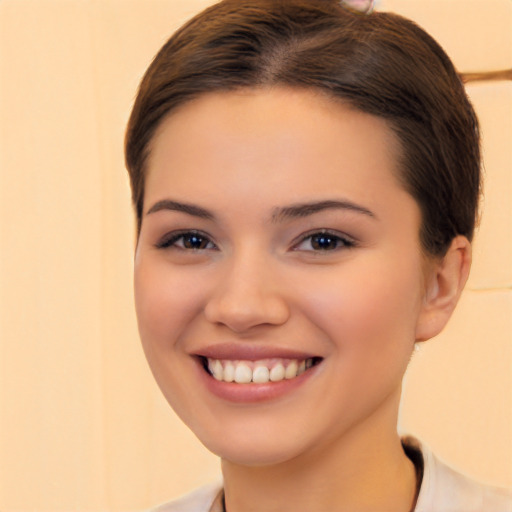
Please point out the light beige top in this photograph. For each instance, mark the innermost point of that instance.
(442, 490)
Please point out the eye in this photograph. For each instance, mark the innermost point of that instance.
(324, 241)
(186, 240)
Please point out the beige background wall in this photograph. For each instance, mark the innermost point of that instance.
(82, 425)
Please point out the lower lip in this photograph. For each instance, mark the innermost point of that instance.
(253, 393)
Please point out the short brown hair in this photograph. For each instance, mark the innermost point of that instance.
(381, 64)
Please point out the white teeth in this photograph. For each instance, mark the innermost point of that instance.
(259, 372)
(277, 373)
(216, 369)
(243, 374)
(229, 372)
(291, 370)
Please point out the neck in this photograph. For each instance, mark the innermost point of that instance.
(364, 470)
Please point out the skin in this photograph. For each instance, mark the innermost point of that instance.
(359, 5)
(360, 304)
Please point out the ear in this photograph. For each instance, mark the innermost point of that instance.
(444, 283)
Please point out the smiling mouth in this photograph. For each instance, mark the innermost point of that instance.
(257, 372)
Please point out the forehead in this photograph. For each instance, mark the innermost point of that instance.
(257, 140)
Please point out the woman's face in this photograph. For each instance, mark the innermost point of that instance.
(275, 236)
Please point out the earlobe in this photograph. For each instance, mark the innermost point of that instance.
(444, 285)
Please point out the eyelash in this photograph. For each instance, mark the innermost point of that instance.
(340, 241)
(169, 241)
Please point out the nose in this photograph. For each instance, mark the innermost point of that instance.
(247, 296)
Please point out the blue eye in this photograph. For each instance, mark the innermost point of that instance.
(189, 240)
(324, 241)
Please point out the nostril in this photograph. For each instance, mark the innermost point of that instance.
(244, 313)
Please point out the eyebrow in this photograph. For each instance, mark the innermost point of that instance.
(305, 209)
(190, 209)
(281, 214)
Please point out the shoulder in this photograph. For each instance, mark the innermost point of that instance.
(444, 489)
(199, 500)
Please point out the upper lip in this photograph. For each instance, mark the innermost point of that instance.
(250, 352)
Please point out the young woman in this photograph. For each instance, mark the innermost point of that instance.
(306, 181)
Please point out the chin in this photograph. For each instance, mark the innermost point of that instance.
(246, 449)
(255, 456)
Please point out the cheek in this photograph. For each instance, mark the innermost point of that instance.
(166, 306)
(165, 301)
(367, 310)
